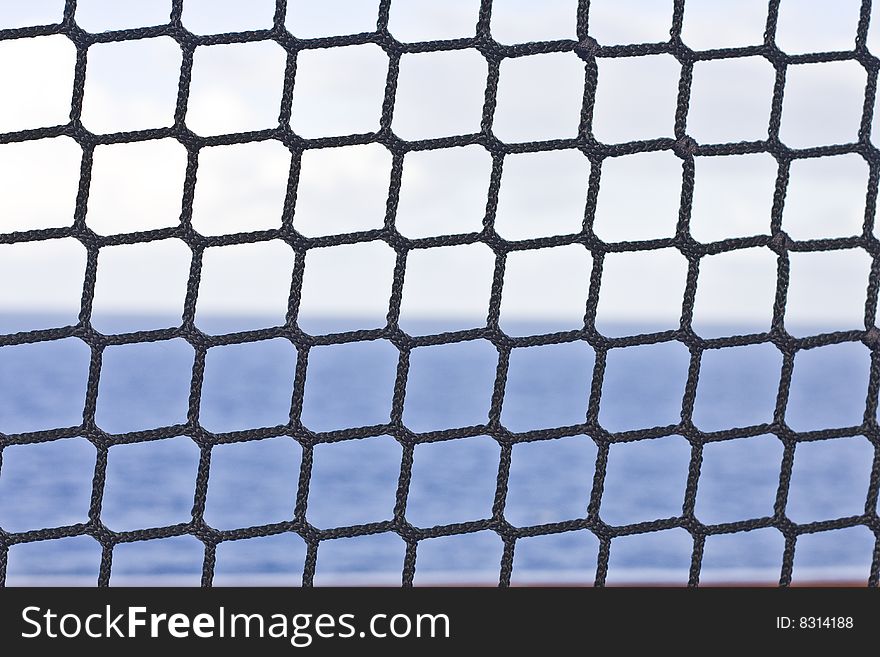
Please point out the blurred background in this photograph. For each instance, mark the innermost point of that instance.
(138, 186)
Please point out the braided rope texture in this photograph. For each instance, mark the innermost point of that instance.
(682, 145)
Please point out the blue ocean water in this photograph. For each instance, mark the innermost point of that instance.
(151, 484)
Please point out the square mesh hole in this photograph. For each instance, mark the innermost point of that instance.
(36, 12)
(547, 386)
(128, 281)
(639, 197)
(213, 17)
(338, 91)
(223, 76)
(738, 479)
(253, 483)
(240, 187)
(373, 559)
(545, 290)
(822, 104)
(535, 499)
(709, 24)
(841, 555)
(807, 27)
(144, 386)
(131, 85)
(71, 561)
(50, 275)
(641, 291)
(150, 484)
(38, 74)
(453, 481)
(827, 291)
(136, 186)
(158, 562)
(539, 97)
(244, 286)
(247, 385)
(426, 208)
(542, 194)
(829, 479)
(28, 166)
(106, 15)
(342, 190)
(737, 387)
(733, 196)
(828, 387)
(277, 559)
(349, 385)
(450, 282)
(825, 197)
(43, 385)
(615, 22)
(439, 94)
(730, 100)
(643, 386)
(450, 385)
(346, 287)
(354, 482)
(425, 20)
(569, 557)
(46, 484)
(523, 22)
(735, 291)
(635, 98)
(753, 557)
(662, 557)
(464, 559)
(645, 480)
(312, 20)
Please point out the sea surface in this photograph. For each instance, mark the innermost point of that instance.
(151, 484)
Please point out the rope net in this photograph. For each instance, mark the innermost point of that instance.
(683, 146)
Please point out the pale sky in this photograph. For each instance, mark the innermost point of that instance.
(339, 91)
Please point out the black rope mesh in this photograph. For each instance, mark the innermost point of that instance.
(682, 145)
